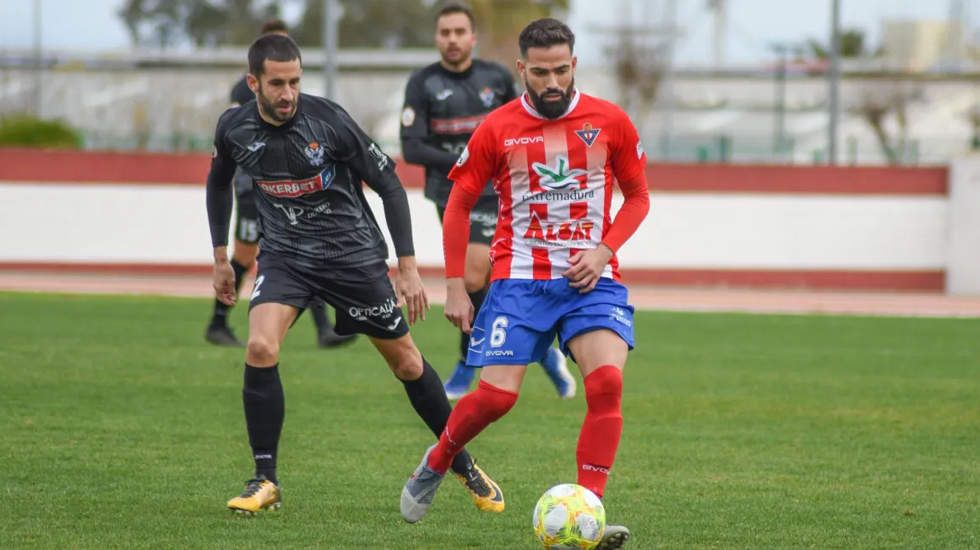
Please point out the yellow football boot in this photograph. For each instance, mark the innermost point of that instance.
(485, 492)
(259, 494)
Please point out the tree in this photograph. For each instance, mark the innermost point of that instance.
(851, 45)
(875, 108)
(374, 24)
(165, 23)
(370, 24)
(363, 23)
(499, 23)
(974, 117)
(639, 68)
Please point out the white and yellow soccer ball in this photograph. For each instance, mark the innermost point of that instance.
(569, 517)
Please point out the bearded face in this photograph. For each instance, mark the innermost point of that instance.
(552, 102)
(276, 90)
(281, 109)
(549, 78)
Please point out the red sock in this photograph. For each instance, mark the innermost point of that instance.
(474, 412)
(601, 429)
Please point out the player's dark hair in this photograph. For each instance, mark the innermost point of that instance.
(544, 33)
(450, 8)
(274, 47)
(274, 25)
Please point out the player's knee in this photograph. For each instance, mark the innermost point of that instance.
(606, 380)
(407, 365)
(261, 352)
(495, 401)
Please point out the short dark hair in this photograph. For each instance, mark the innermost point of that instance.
(274, 25)
(544, 33)
(274, 47)
(450, 8)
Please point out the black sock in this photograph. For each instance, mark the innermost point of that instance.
(464, 339)
(220, 317)
(264, 403)
(428, 397)
(318, 310)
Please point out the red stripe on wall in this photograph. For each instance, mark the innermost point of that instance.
(412, 175)
(52, 166)
(108, 267)
(919, 280)
(86, 167)
(880, 280)
(746, 178)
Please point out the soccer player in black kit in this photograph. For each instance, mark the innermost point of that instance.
(318, 237)
(247, 238)
(444, 103)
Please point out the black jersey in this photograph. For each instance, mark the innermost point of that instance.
(241, 93)
(307, 175)
(442, 109)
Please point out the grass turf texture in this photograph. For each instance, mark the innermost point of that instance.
(123, 428)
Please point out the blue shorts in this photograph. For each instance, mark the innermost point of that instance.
(520, 318)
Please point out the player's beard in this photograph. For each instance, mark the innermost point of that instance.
(462, 58)
(270, 108)
(555, 108)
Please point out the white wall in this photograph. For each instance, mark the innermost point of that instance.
(963, 270)
(167, 224)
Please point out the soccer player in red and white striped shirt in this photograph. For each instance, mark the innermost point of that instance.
(554, 155)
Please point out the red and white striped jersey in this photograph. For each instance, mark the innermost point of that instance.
(554, 179)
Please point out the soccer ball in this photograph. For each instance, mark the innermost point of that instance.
(569, 517)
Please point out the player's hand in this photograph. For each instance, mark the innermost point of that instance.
(459, 307)
(410, 292)
(587, 266)
(224, 283)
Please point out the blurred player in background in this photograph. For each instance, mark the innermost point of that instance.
(247, 237)
(307, 159)
(553, 157)
(444, 103)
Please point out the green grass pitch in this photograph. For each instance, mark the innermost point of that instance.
(122, 428)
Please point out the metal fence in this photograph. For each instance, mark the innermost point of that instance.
(173, 106)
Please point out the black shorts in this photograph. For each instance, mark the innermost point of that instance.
(246, 214)
(363, 296)
(483, 219)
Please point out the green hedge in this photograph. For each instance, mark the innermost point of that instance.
(28, 131)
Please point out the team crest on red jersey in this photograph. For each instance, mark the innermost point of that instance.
(588, 134)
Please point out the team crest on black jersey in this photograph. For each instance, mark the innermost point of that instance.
(487, 96)
(314, 153)
(588, 134)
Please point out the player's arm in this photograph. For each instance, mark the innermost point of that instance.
(219, 202)
(415, 130)
(629, 167)
(634, 210)
(474, 167)
(375, 168)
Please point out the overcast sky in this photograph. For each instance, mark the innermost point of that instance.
(92, 25)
